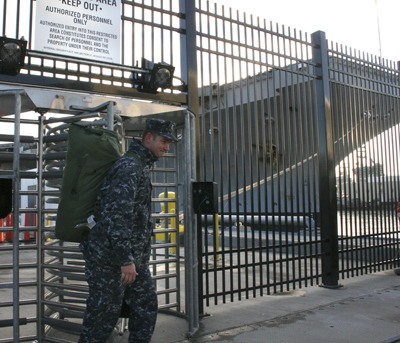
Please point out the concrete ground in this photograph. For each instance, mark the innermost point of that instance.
(365, 309)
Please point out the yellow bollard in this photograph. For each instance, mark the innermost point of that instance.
(170, 209)
(216, 241)
(216, 238)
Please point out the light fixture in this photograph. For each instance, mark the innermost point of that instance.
(156, 75)
(12, 55)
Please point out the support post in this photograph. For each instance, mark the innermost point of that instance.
(326, 165)
(192, 282)
(189, 73)
(16, 205)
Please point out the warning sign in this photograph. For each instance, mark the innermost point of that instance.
(81, 28)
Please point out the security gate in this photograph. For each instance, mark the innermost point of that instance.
(43, 277)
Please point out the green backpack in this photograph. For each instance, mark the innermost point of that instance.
(91, 152)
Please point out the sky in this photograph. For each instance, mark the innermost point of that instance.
(370, 26)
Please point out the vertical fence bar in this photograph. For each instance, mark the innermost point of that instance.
(327, 182)
(16, 205)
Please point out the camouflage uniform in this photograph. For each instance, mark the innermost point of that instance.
(120, 237)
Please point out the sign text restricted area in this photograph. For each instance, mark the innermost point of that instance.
(83, 28)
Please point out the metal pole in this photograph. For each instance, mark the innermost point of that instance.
(16, 182)
(191, 260)
(40, 234)
(189, 73)
(327, 180)
(199, 249)
(110, 115)
(189, 65)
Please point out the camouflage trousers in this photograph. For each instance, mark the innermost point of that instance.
(103, 305)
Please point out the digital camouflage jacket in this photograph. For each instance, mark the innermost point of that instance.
(123, 213)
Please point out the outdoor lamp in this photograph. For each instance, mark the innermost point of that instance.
(12, 55)
(158, 75)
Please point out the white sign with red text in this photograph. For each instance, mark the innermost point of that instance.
(82, 28)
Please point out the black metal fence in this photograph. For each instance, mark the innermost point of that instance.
(365, 111)
(300, 137)
(283, 118)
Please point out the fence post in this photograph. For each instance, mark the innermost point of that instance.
(189, 73)
(326, 165)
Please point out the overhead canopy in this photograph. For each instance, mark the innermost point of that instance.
(133, 111)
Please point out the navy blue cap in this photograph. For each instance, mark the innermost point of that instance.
(164, 128)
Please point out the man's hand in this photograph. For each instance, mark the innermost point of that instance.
(128, 274)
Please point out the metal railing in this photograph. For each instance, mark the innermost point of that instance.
(365, 93)
(281, 116)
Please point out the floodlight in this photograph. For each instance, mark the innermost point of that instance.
(12, 55)
(158, 75)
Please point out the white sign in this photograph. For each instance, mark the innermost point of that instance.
(81, 28)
